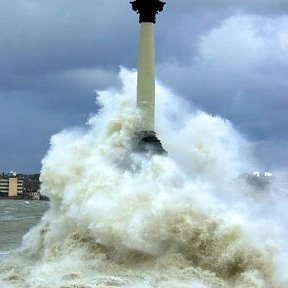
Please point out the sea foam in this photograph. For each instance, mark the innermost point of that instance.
(117, 218)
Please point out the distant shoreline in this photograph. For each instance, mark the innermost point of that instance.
(42, 198)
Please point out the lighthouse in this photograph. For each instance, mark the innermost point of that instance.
(147, 10)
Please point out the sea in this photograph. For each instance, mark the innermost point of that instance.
(16, 219)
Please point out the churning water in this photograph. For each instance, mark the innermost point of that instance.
(119, 219)
(16, 218)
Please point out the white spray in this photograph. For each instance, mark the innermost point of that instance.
(127, 220)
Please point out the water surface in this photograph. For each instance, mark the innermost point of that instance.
(16, 218)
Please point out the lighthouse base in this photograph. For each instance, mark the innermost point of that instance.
(147, 142)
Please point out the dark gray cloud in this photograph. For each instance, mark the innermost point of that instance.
(227, 57)
(260, 7)
(55, 36)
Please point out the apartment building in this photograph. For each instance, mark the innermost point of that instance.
(11, 185)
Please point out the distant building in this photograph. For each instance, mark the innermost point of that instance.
(258, 174)
(259, 179)
(20, 186)
(11, 185)
(35, 195)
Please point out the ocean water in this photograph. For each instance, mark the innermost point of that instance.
(120, 219)
(16, 219)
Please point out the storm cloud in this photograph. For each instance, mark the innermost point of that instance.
(226, 57)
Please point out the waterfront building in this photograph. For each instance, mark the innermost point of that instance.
(10, 185)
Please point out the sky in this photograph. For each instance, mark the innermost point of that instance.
(226, 57)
